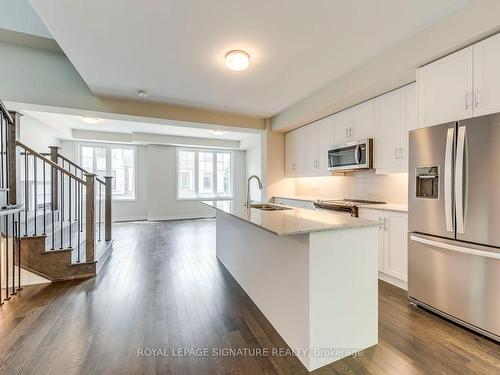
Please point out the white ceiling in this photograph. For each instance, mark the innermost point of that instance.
(63, 124)
(175, 48)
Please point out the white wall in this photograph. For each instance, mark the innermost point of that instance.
(19, 15)
(392, 188)
(253, 157)
(36, 134)
(156, 197)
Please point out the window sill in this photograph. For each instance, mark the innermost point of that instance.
(119, 200)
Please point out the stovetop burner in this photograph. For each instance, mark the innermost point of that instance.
(350, 202)
(344, 205)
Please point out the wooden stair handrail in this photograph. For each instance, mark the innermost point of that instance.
(50, 163)
(77, 166)
(6, 113)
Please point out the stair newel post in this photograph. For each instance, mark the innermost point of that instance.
(54, 157)
(12, 133)
(90, 217)
(108, 195)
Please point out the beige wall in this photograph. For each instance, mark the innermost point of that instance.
(273, 165)
(397, 66)
(391, 188)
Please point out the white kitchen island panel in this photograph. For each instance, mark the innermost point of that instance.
(318, 289)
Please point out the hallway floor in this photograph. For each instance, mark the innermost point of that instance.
(163, 297)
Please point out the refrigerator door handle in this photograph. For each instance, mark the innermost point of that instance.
(459, 179)
(451, 247)
(448, 183)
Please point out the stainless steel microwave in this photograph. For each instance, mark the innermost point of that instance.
(351, 156)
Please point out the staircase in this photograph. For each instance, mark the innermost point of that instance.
(56, 216)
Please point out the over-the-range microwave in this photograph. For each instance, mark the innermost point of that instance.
(351, 156)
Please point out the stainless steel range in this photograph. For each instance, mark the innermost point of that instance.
(345, 206)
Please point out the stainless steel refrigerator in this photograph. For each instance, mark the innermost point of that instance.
(454, 222)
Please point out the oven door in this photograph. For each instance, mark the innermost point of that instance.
(349, 156)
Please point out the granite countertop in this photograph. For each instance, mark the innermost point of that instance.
(387, 207)
(399, 207)
(290, 222)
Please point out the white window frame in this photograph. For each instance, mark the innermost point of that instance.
(108, 147)
(196, 151)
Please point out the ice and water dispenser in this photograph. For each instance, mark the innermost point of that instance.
(427, 180)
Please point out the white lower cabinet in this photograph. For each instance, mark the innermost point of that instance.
(393, 244)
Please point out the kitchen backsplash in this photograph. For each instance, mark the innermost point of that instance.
(391, 188)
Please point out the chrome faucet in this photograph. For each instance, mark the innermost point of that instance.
(249, 201)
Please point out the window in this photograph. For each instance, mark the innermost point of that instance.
(204, 174)
(112, 160)
(34, 196)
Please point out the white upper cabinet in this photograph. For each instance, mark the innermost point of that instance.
(290, 165)
(487, 76)
(387, 119)
(462, 85)
(306, 149)
(363, 117)
(343, 126)
(409, 122)
(445, 90)
(295, 156)
(354, 123)
(388, 124)
(325, 132)
(310, 140)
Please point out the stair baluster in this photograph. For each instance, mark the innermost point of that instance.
(61, 231)
(69, 212)
(6, 258)
(90, 217)
(26, 194)
(44, 201)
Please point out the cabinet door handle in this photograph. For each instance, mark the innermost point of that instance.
(467, 105)
(380, 224)
(396, 153)
(476, 98)
(386, 224)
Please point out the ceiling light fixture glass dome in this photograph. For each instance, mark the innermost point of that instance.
(237, 60)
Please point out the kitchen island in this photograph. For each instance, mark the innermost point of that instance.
(312, 274)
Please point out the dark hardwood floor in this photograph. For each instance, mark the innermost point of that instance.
(164, 288)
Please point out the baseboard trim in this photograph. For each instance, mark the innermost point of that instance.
(161, 218)
(392, 280)
(129, 218)
(180, 217)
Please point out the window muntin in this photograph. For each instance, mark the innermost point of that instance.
(186, 174)
(112, 160)
(204, 174)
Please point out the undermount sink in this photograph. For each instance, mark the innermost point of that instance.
(269, 207)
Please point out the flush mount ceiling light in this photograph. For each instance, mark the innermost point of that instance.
(237, 60)
(142, 93)
(90, 120)
(217, 132)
